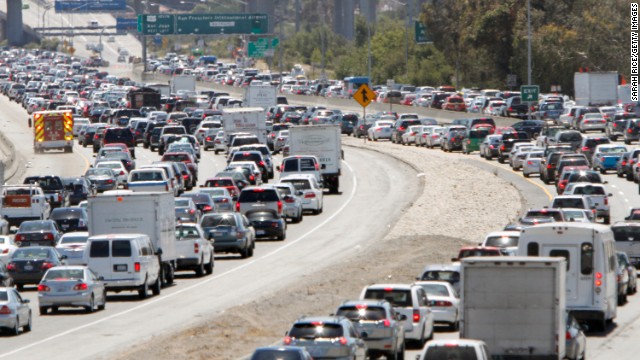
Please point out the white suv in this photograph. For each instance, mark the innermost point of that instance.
(312, 198)
(410, 300)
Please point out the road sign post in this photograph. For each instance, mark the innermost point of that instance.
(364, 95)
(529, 94)
(421, 36)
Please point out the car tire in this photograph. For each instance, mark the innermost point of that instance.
(19, 287)
(27, 328)
(500, 159)
(282, 237)
(629, 176)
(157, 287)
(92, 305)
(208, 268)
(104, 302)
(244, 253)
(401, 353)
(606, 219)
(489, 157)
(602, 171)
(627, 142)
(525, 174)
(143, 292)
(16, 329)
(200, 269)
(454, 326)
(43, 310)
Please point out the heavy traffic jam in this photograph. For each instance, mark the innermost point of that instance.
(126, 225)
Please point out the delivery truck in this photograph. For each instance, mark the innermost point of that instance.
(149, 213)
(264, 96)
(596, 88)
(516, 305)
(183, 84)
(251, 120)
(324, 141)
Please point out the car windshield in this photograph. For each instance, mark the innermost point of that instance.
(30, 254)
(451, 352)
(502, 241)
(573, 215)
(613, 150)
(626, 233)
(588, 190)
(577, 203)
(67, 239)
(4, 296)
(356, 313)
(218, 220)
(261, 216)
(316, 330)
(298, 184)
(64, 274)
(34, 226)
(570, 137)
(268, 354)
(436, 290)
(444, 275)
(181, 202)
(396, 297)
(98, 172)
(187, 232)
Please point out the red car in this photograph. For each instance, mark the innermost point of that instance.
(454, 103)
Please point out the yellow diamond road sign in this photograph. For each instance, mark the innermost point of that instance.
(364, 95)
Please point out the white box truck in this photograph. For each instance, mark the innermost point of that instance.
(596, 88)
(149, 213)
(264, 96)
(516, 305)
(183, 83)
(324, 141)
(252, 120)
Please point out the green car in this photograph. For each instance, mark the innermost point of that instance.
(473, 139)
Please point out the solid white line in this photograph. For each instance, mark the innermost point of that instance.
(158, 299)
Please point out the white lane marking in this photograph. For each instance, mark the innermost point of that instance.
(153, 301)
(627, 200)
(612, 185)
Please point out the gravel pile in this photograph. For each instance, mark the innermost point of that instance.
(451, 211)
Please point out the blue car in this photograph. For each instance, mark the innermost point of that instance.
(606, 157)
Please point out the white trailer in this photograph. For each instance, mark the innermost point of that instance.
(596, 88)
(252, 120)
(516, 305)
(264, 96)
(163, 89)
(127, 212)
(324, 141)
(183, 83)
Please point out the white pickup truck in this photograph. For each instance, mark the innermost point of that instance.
(195, 252)
(151, 179)
(23, 202)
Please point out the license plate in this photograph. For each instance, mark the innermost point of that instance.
(63, 289)
(28, 267)
(121, 267)
(64, 227)
(218, 233)
(260, 232)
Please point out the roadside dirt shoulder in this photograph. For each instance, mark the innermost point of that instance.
(450, 212)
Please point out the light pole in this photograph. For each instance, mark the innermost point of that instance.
(406, 36)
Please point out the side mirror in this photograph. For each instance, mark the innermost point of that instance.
(609, 194)
(26, 301)
(454, 259)
(159, 252)
(605, 182)
(101, 278)
(401, 317)
(323, 166)
(210, 236)
(278, 168)
(364, 335)
(63, 257)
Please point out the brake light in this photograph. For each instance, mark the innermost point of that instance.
(289, 200)
(208, 138)
(584, 148)
(598, 278)
(185, 176)
(549, 166)
(606, 200)
(208, 208)
(503, 148)
(239, 234)
(19, 237)
(309, 195)
(629, 131)
(280, 206)
(80, 287)
(46, 265)
(287, 340)
(491, 147)
(136, 267)
(48, 236)
(568, 336)
(43, 288)
(416, 315)
(343, 340)
(196, 248)
(5, 310)
(237, 206)
(442, 303)
(11, 266)
(261, 163)
(401, 128)
(121, 172)
(529, 162)
(386, 323)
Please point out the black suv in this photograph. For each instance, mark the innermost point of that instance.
(548, 167)
(120, 135)
(400, 127)
(506, 144)
(146, 142)
(256, 157)
(53, 187)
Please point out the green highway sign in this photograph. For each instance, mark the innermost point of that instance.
(529, 93)
(421, 35)
(205, 24)
(262, 47)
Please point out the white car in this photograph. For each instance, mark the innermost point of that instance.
(72, 244)
(380, 130)
(7, 247)
(257, 173)
(435, 136)
(423, 133)
(451, 348)
(592, 122)
(118, 168)
(409, 136)
(280, 140)
(17, 314)
(507, 240)
(444, 301)
(312, 197)
(518, 153)
(531, 163)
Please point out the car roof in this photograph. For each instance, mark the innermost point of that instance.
(321, 319)
(367, 302)
(503, 233)
(393, 286)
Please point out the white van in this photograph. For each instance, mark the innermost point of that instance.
(591, 265)
(126, 261)
(301, 164)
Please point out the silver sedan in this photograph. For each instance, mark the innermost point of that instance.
(445, 302)
(72, 286)
(434, 137)
(15, 312)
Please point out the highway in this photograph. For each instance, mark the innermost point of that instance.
(128, 320)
